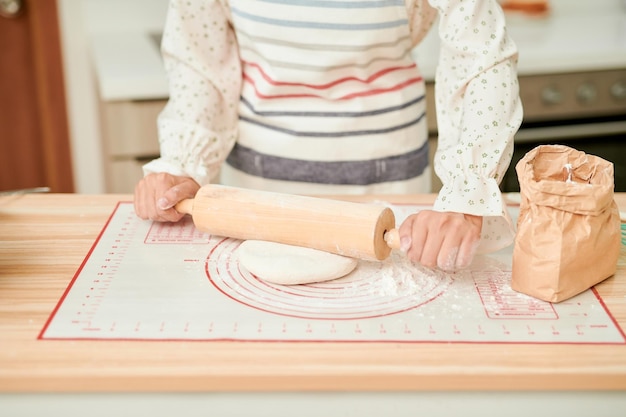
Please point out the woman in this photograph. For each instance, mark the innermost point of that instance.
(322, 97)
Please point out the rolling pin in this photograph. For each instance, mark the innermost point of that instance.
(357, 230)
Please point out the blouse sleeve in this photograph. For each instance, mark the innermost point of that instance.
(478, 113)
(198, 126)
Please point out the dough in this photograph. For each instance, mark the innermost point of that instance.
(291, 265)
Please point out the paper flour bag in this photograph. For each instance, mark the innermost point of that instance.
(568, 231)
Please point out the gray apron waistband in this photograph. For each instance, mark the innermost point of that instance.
(394, 168)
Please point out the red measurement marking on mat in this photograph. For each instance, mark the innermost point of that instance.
(183, 231)
(91, 329)
(501, 302)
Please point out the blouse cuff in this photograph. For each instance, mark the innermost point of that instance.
(192, 150)
(200, 175)
(479, 196)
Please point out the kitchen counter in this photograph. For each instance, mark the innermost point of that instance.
(129, 66)
(571, 39)
(44, 239)
(553, 44)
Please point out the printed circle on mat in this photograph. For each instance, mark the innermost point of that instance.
(373, 289)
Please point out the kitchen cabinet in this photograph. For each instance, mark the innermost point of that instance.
(129, 140)
(431, 117)
(132, 90)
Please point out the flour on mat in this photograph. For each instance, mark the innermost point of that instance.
(399, 276)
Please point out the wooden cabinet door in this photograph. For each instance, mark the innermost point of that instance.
(34, 138)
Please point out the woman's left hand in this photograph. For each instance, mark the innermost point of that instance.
(441, 239)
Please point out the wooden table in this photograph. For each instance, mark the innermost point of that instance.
(44, 238)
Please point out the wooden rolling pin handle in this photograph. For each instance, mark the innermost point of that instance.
(392, 238)
(185, 206)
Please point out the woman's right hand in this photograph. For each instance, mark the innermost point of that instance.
(157, 194)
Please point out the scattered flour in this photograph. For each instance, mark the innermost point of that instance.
(398, 276)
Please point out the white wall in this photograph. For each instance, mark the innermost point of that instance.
(79, 20)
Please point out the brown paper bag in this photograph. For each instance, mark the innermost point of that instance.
(568, 231)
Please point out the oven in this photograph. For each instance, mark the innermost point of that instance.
(583, 110)
(572, 77)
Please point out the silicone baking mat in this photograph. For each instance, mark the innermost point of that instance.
(154, 281)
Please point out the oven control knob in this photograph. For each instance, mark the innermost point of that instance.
(586, 93)
(551, 95)
(618, 90)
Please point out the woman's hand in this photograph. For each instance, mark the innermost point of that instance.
(441, 239)
(157, 194)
